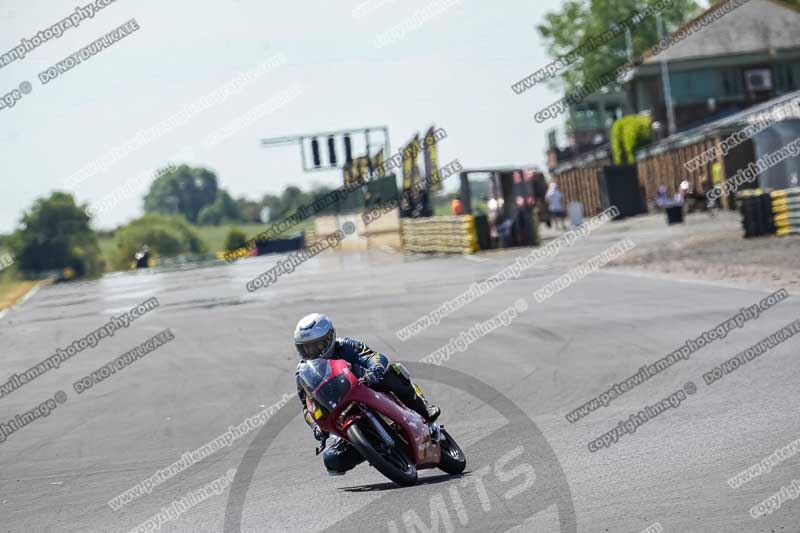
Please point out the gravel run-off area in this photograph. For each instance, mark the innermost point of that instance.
(709, 249)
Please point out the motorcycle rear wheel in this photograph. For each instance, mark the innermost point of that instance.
(393, 463)
(453, 461)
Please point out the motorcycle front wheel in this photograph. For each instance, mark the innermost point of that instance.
(392, 462)
(453, 461)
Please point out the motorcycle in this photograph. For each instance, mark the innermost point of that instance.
(391, 437)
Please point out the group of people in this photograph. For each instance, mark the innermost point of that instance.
(688, 197)
(515, 229)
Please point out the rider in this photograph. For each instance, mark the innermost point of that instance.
(143, 257)
(315, 337)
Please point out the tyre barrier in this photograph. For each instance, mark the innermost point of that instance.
(786, 211)
(756, 209)
(452, 234)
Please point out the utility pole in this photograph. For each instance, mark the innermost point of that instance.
(665, 81)
(629, 45)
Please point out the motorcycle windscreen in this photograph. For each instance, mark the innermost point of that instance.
(329, 393)
(332, 392)
(312, 373)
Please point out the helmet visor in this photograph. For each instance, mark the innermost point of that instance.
(315, 348)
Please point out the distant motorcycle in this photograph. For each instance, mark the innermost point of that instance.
(391, 437)
(142, 258)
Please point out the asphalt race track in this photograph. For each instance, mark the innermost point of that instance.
(504, 398)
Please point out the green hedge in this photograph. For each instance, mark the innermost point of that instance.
(628, 134)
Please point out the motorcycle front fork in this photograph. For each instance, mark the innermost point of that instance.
(436, 431)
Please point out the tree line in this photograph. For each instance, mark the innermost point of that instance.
(55, 233)
(195, 193)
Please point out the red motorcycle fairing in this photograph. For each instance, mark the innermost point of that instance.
(416, 431)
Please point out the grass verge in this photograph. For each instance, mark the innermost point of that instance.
(12, 291)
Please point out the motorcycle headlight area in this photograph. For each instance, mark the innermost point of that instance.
(332, 391)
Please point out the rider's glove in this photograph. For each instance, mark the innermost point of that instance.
(319, 434)
(373, 375)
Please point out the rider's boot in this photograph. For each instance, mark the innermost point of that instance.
(401, 385)
(428, 411)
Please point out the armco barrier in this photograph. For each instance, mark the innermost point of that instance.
(444, 234)
(274, 246)
(786, 211)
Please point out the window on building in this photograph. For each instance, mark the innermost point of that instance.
(586, 118)
(732, 84)
(785, 77)
(795, 69)
(696, 86)
(613, 112)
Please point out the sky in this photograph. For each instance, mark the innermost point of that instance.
(454, 70)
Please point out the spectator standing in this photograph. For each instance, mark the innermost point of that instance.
(554, 203)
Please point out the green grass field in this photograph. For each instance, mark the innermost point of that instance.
(106, 248)
(11, 291)
(212, 236)
(10, 272)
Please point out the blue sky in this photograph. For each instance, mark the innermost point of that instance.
(454, 71)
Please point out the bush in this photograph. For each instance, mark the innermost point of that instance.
(617, 150)
(628, 134)
(55, 235)
(165, 235)
(235, 239)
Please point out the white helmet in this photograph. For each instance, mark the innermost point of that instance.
(314, 336)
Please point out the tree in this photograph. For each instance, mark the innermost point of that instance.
(578, 21)
(273, 202)
(290, 199)
(54, 235)
(319, 192)
(184, 191)
(165, 235)
(293, 198)
(249, 210)
(223, 210)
